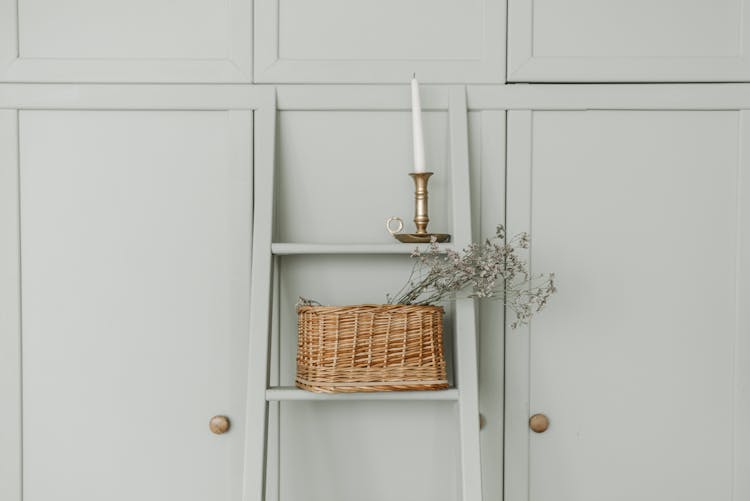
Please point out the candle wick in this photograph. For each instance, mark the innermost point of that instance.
(414, 75)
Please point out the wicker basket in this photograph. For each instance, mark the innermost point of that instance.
(370, 347)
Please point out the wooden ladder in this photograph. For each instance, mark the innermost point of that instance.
(263, 388)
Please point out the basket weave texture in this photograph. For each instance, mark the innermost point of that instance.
(370, 347)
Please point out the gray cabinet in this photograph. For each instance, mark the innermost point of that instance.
(131, 136)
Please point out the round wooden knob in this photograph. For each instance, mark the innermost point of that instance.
(219, 424)
(538, 423)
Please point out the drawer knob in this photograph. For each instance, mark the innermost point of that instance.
(538, 423)
(219, 424)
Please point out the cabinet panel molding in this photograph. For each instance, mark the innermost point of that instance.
(10, 311)
(638, 41)
(90, 41)
(726, 96)
(339, 41)
(741, 368)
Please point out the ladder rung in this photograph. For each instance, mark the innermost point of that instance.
(288, 393)
(285, 249)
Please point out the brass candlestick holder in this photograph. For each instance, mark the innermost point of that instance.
(421, 217)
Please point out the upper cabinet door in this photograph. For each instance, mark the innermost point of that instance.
(379, 41)
(628, 41)
(125, 41)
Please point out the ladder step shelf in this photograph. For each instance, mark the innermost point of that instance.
(291, 393)
(290, 249)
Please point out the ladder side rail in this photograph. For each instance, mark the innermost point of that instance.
(256, 416)
(465, 335)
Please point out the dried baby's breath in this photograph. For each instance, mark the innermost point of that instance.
(492, 269)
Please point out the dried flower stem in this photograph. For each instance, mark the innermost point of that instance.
(492, 269)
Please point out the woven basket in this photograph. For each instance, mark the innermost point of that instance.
(370, 347)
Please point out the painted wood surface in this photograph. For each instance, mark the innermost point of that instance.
(135, 281)
(316, 269)
(375, 42)
(516, 394)
(336, 41)
(637, 41)
(10, 311)
(284, 393)
(741, 362)
(562, 97)
(639, 365)
(487, 160)
(342, 174)
(726, 96)
(254, 484)
(283, 249)
(90, 41)
(465, 337)
(199, 44)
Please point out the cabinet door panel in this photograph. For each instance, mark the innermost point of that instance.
(135, 279)
(340, 41)
(657, 40)
(640, 362)
(125, 41)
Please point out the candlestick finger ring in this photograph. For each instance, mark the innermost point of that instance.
(389, 225)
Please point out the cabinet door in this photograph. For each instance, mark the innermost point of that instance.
(633, 41)
(379, 41)
(135, 229)
(642, 360)
(126, 41)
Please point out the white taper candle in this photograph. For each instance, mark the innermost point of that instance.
(416, 123)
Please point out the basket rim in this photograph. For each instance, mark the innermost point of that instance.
(369, 307)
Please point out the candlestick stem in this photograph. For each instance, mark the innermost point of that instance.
(421, 215)
(421, 195)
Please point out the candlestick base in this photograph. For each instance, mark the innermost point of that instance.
(421, 238)
(421, 219)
